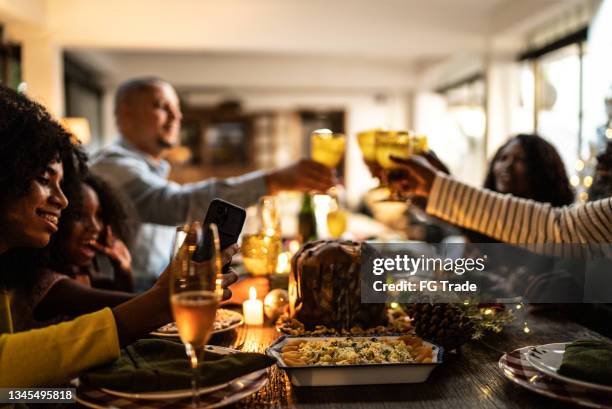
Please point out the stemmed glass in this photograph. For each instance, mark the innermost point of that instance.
(195, 292)
(328, 149)
(400, 144)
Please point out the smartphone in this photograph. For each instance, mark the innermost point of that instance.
(229, 219)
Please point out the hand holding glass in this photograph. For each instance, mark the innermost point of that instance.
(195, 292)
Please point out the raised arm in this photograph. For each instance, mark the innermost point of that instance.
(519, 221)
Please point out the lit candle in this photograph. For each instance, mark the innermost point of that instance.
(253, 309)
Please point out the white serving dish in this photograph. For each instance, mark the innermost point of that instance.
(363, 374)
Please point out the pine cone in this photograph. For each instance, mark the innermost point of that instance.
(443, 324)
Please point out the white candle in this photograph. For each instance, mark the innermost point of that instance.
(253, 309)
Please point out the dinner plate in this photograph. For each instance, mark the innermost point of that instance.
(548, 358)
(232, 320)
(175, 394)
(235, 391)
(516, 368)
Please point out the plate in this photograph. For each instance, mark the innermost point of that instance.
(182, 393)
(226, 320)
(358, 374)
(211, 397)
(516, 368)
(548, 358)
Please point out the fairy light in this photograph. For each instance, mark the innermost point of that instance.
(609, 133)
(583, 196)
(518, 306)
(575, 180)
(526, 329)
(579, 165)
(588, 181)
(488, 311)
(394, 305)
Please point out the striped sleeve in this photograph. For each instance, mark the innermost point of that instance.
(519, 221)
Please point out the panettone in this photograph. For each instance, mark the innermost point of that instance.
(325, 287)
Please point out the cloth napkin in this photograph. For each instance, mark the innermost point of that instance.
(588, 360)
(158, 365)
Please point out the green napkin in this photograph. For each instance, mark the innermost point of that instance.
(158, 365)
(588, 360)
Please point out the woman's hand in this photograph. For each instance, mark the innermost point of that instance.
(415, 175)
(116, 250)
(226, 258)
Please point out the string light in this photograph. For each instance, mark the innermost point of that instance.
(583, 196)
(394, 305)
(526, 329)
(579, 165)
(609, 133)
(575, 180)
(588, 181)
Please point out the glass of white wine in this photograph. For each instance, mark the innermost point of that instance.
(327, 148)
(195, 292)
(400, 144)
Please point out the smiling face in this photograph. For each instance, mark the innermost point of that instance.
(151, 118)
(511, 171)
(85, 230)
(30, 220)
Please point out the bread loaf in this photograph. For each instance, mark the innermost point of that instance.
(325, 287)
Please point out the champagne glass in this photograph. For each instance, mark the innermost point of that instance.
(195, 292)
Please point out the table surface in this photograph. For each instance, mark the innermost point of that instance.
(467, 379)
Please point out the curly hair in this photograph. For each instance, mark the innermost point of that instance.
(547, 175)
(29, 141)
(115, 211)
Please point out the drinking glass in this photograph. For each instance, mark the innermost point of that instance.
(328, 149)
(261, 241)
(400, 144)
(195, 292)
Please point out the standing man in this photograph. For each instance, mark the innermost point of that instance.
(148, 116)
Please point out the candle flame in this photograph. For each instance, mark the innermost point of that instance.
(252, 293)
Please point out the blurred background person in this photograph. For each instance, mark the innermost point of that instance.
(148, 116)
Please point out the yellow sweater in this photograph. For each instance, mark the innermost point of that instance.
(53, 355)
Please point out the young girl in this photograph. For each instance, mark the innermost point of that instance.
(39, 168)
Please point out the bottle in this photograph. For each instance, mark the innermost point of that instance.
(307, 223)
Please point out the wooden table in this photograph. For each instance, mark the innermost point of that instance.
(469, 379)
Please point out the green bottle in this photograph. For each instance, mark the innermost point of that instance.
(307, 223)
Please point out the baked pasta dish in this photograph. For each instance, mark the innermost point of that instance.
(356, 351)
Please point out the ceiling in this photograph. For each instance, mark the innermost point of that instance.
(395, 39)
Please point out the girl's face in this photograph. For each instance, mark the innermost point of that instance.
(511, 171)
(85, 230)
(30, 220)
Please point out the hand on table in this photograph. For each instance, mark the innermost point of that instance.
(305, 176)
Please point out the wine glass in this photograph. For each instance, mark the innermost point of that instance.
(261, 241)
(328, 149)
(195, 292)
(400, 144)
